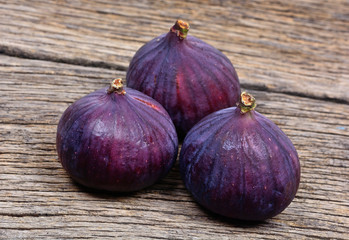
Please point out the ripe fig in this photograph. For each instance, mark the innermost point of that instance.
(116, 139)
(189, 77)
(239, 164)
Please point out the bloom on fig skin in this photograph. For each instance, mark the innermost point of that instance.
(189, 77)
(239, 164)
(116, 139)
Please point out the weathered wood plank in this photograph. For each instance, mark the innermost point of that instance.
(297, 47)
(38, 199)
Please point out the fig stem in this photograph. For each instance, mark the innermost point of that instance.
(247, 102)
(117, 86)
(181, 29)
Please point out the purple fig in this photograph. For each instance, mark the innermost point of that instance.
(239, 164)
(189, 77)
(116, 139)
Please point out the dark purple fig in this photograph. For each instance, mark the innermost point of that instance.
(239, 164)
(189, 77)
(116, 139)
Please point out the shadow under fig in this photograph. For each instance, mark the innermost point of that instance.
(230, 221)
(169, 185)
(166, 185)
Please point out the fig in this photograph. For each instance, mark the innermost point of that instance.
(116, 139)
(239, 164)
(187, 76)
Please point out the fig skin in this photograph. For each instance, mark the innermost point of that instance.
(187, 76)
(116, 140)
(240, 165)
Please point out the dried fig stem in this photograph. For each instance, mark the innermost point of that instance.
(181, 29)
(247, 102)
(117, 86)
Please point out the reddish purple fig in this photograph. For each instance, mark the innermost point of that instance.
(239, 164)
(116, 139)
(189, 77)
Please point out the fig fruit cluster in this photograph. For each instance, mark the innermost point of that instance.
(234, 161)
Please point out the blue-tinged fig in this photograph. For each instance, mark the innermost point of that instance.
(187, 76)
(116, 139)
(239, 164)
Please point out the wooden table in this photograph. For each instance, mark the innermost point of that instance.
(292, 55)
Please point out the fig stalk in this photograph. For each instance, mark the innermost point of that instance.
(247, 102)
(117, 86)
(181, 29)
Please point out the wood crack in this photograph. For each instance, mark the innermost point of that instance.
(21, 53)
(295, 94)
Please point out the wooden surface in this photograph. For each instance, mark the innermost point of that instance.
(292, 55)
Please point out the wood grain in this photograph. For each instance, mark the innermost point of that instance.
(291, 55)
(298, 47)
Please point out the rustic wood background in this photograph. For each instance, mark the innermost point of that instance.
(292, 55)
